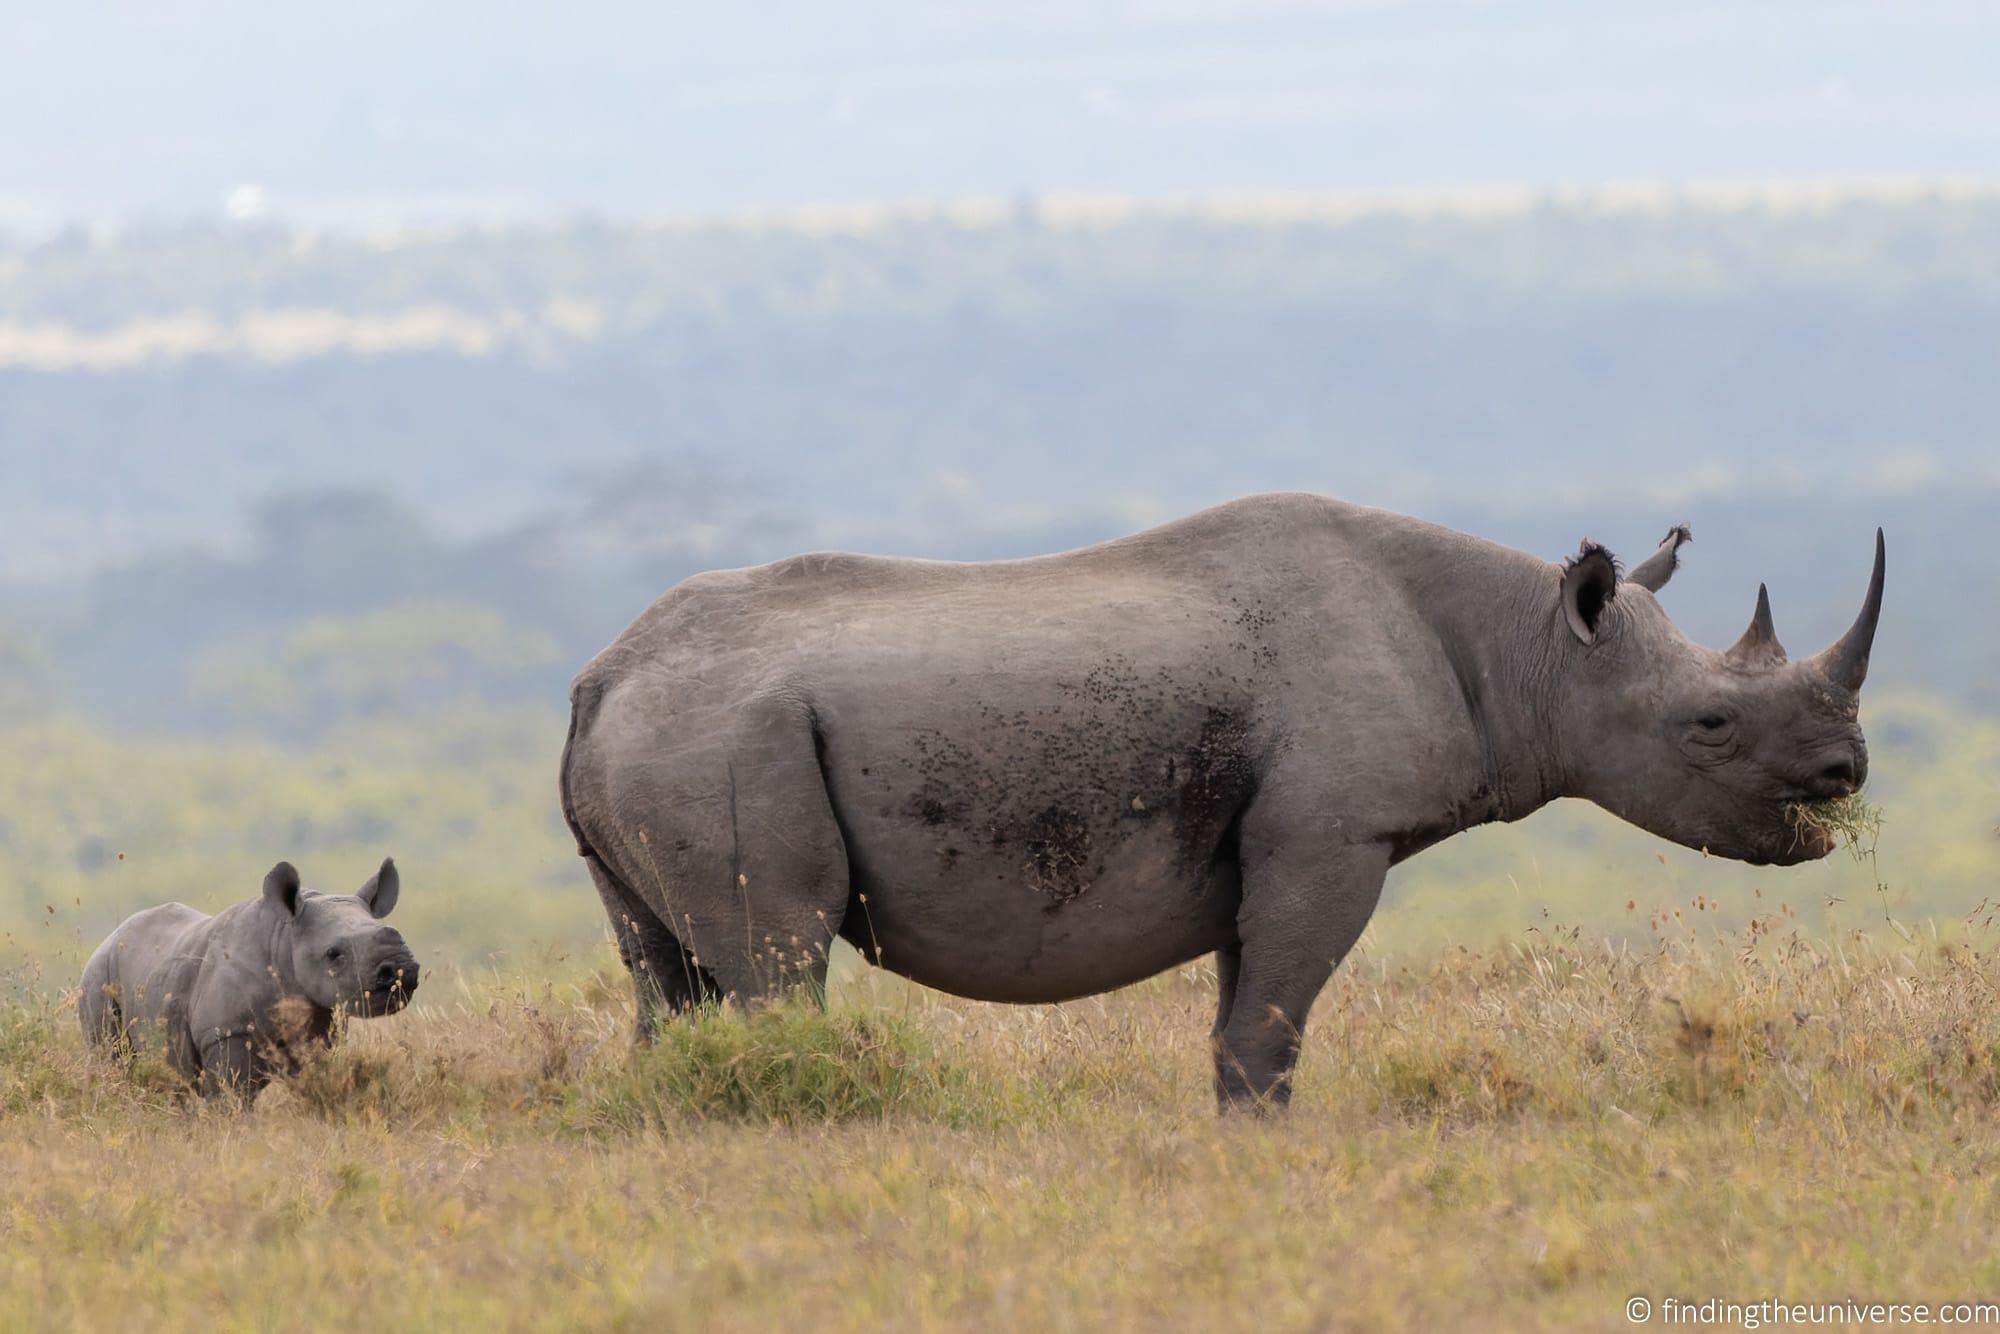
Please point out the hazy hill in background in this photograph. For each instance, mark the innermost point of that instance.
(239, 449)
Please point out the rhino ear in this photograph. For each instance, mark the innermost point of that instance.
(1589, 583)
(281, 887)
(381, 890)
(1653, 572)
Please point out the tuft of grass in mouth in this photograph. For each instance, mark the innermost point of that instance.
(1854, 820)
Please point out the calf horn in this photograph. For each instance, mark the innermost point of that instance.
(1846, 662)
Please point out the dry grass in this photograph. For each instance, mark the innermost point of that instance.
(1520, 1139)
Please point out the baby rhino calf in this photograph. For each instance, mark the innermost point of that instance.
(234, 998)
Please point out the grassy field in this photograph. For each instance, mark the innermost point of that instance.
(1522, 1138)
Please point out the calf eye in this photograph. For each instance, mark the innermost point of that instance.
(334, 955)
(1713, 722)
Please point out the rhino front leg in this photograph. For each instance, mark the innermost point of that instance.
(1304, 906)
(231, 1070)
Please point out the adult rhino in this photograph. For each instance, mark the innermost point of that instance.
(1037, 779)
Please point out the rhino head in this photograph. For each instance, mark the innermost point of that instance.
(1713, 750)
(341, 954)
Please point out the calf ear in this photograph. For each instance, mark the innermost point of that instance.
(381, 890)
(1589, 583)
(281, 887)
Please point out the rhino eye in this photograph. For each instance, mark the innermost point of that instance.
(1713, 730)
(335, 954)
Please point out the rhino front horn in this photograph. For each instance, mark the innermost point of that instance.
(1846, 663)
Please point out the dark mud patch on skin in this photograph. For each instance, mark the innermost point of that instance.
(1056, 791)
(942, 765)
(1218, 775)
(1058, 865)
(1252, 622)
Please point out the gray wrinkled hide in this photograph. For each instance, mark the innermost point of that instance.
(1033, 780)
(231, 999)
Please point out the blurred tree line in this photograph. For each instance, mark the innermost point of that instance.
(927, 384)
(352, 605)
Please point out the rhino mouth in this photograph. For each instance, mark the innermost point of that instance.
(376, 1002)
(1792, 842)
(1803, 843)
(393, 986)
(1800, 838)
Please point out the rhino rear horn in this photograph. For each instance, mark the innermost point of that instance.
(1653, 572)
(1846, 662)
(1759, 646)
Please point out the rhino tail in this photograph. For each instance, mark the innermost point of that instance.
(584, 697)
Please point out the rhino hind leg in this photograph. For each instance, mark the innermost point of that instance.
(97, 1006)
(1228, 963)
(729, 843)
(665, 979)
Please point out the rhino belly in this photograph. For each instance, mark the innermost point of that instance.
(988, 930)
(1031, 898)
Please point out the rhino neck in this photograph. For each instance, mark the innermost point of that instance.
(1494, 626)
(277, 931)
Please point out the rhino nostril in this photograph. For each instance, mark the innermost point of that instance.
(1841, 778)
(397, 973)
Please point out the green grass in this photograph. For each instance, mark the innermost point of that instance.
(785, 1065)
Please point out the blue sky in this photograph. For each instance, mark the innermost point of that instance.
(380, 113)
